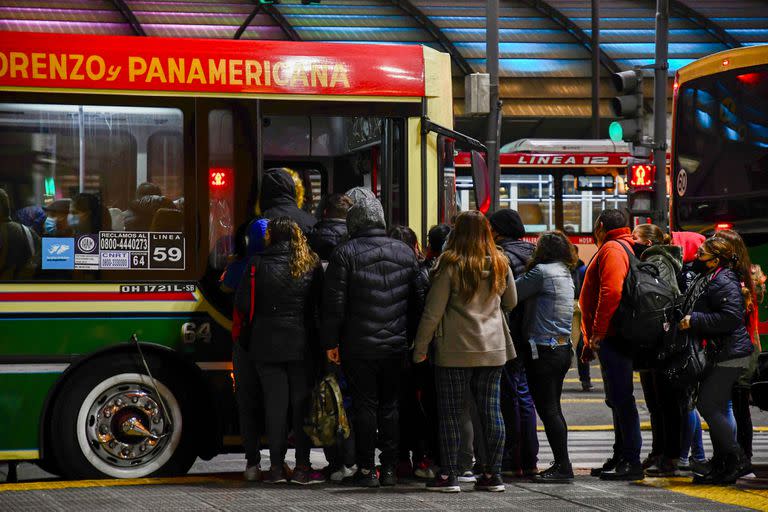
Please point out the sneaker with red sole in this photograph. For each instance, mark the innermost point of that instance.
(305, 475)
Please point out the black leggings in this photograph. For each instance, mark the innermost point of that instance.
(666, 414)
(545, 380)
(285, 384)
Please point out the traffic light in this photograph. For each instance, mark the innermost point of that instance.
(629, 106)
(640, 185)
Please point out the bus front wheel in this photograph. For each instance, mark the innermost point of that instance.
(112, 421)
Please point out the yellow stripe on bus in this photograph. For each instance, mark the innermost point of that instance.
(19, 454)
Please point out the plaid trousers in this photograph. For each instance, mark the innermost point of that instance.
(452, 387)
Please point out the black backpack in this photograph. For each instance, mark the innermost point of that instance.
(647, 305)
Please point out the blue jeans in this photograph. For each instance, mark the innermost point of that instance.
(619, 394)
(521, 449)
(691, 438)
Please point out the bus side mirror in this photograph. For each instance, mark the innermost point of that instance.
(481, 181)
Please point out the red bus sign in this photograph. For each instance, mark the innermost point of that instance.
(124, 63)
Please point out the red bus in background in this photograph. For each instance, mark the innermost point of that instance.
(556, 184)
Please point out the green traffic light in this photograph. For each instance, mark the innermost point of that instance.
(616, 132)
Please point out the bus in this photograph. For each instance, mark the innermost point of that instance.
(720, 150)
(556, 184)
(131, 162)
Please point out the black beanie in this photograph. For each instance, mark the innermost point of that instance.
(507, 223)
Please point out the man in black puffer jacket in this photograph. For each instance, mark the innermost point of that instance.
(367, 304)
(522, 445)
(332, 230)
(278, 199)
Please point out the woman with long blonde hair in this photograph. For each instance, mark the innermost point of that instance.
(279, 296)
(471, 286)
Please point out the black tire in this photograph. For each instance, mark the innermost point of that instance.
(79, 457)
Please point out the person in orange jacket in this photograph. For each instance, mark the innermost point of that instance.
(599, 301)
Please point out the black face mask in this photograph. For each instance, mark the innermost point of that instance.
(700, 267)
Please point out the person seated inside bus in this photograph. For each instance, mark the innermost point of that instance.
(55, 223)
(33, 217)
(87, 215)
(149, 199)
(19, 245)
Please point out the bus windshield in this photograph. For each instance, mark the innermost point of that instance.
(721, 164)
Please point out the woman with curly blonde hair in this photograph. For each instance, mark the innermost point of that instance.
(280, 292)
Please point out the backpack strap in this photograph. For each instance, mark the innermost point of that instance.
(253, 269)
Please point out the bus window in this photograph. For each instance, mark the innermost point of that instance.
(79, 175)
(221, 186)
(532, 196)
(584, 197)
(721, 152)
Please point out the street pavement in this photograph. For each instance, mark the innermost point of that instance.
(217, 484)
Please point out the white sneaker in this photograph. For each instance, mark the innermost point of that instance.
(343, 472)
(467, 477)
(252, 473)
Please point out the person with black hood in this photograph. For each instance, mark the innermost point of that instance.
(278, 199)
(370, 284)
(332, 229)
(522, 444)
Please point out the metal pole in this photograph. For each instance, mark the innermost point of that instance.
(595, 69)
(494, 117)
(660, 113)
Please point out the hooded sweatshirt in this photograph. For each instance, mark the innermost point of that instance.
(689, 242)
(370, 288)
(357, 194)
(278, 199)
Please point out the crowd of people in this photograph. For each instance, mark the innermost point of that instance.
(445, 358)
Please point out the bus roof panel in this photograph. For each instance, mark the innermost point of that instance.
(565, 146)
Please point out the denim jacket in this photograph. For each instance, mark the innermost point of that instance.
(549, 312)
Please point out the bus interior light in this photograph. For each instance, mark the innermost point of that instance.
(219, 176)
(720, 226)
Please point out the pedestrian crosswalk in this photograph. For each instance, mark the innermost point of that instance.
(590, 449)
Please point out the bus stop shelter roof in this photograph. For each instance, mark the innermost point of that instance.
(546, 40)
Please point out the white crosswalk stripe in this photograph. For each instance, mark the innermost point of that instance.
(590, 449)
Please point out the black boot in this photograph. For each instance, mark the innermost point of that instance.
(735, 466)
(711, 473)
(557, 473)
(608, 465)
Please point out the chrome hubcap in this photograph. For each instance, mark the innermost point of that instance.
(126, 426)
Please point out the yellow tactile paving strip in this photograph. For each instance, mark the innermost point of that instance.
(84, 484)
(756, 499)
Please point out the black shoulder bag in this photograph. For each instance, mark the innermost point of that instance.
(686, 361)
